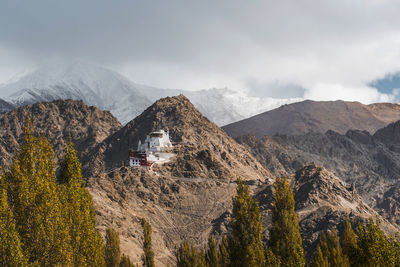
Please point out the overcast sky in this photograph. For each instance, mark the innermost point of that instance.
(313, 49)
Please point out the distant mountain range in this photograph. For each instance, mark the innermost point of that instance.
(317, 116)
(108, 90)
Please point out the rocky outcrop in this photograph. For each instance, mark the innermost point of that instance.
(389, 204)
(323, 202)
(59, 121)
(188, 198)
(177, 208)
(371, 162)
(202, 149)
(317, 117)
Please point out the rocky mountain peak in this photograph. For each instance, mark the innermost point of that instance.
(313, 183)
(201, 147)
(323, 201)
(59, 121)
(390, 133)
(318, 117)
(177, 114)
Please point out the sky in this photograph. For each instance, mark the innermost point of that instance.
(321, 50)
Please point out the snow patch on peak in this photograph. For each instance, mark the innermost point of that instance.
(109, 90)
(79, 80)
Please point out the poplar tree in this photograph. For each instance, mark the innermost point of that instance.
(148, 256)
(331, 251)
(319, 259)
(86, 241)
(375, 248)
(349, 243)
(212, 255)
(285, 240)
(224, 259)
(270, 259)
(36, 205)
(125, 262)
(10, 244)
(112, 251)
(245, 241)
(188, 256)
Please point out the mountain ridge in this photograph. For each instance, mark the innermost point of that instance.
(197, 139)
(371, 162)
(317, 116)
(59, 121)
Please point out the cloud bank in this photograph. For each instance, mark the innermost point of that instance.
(323, 50)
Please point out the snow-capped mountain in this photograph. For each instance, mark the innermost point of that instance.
(108, 90)
(223, 105)
(92, 84)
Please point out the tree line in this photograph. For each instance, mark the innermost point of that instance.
(48, 219)
(244, 245)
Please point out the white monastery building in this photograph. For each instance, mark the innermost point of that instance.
(154, 149)
(155, 142)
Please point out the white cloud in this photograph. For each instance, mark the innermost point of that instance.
(341, 45)
(337, 91)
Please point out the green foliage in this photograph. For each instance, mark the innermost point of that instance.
(188, 256)
(270, 259)
(125, 262)
(10, 244)
(245, 241)
(37, 209)
(86, 241)
(319, 260)
(212, 255)
(329, 252)
(112, 251)
(224, 259)
(148, 256)
(375, 248)
(285, 240)
(349, 244)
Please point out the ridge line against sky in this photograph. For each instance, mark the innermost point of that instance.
(321, 50)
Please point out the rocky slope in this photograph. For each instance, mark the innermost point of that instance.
(190, 197)
(371, 162)
(323, 202)
(59, 121)
(185, 199)
(177, 208)
(317, 116)
(193, 208)
(202, 149)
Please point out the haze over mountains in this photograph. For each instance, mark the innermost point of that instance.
(111, 91)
